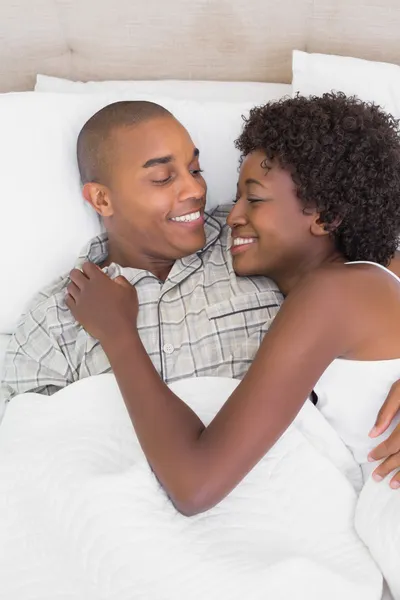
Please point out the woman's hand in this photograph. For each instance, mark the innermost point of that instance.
(105, 308)
(390, 448)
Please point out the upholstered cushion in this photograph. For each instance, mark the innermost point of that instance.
(219, 40)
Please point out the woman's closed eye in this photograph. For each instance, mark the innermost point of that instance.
(251, 200)
(196, 172)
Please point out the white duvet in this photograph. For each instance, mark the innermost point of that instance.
(82, 516)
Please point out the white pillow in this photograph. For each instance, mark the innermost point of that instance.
(44, 220)
(218, 91)
(4, 341)
(371, 81)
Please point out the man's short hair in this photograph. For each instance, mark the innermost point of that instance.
(93, 147)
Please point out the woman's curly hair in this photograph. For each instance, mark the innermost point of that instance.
(344, 157)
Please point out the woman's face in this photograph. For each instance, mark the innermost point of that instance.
(270, 230)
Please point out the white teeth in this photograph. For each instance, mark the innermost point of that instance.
(187, 218)
(242, 241)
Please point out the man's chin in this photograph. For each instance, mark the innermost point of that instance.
(191, 247)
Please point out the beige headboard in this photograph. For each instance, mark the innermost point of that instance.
(186, 39)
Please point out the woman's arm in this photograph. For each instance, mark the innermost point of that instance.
(199, 466)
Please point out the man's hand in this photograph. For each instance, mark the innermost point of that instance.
(106, 308)
(390, 448)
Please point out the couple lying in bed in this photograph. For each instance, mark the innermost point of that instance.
(170, 291)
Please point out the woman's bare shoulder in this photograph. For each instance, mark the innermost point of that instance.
(343, 288)
(342, 277)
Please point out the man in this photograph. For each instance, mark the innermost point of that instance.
(140, 171)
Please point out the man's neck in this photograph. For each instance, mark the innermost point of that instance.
(126, 256)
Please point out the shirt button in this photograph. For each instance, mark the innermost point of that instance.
(168, 348)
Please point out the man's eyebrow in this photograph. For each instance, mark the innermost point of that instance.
(164, 160)
(161, 160)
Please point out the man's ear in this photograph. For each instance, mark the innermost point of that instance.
(320, 227)
(98, 196)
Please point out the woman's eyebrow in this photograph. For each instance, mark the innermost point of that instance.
(251, 181)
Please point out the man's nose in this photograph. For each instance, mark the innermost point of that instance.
(193, 187)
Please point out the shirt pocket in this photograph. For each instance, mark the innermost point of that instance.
(239, 325)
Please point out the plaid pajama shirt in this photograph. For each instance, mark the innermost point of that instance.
(202, 321)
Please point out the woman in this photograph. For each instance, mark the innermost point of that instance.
(319, 191)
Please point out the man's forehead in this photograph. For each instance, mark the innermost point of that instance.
(158, 138)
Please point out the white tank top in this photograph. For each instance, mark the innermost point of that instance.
(350, 394)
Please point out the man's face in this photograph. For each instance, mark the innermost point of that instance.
(155, 191)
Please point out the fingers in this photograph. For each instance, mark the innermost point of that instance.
(395, 481)
(387, 447)
(88, 271)
(70, 302)
(122, 281)
(387, 466)
(390, 451)
(78, 278)
(91, 270)
(388, 411)
(73, 291)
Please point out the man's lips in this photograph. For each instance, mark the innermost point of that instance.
(192, 218)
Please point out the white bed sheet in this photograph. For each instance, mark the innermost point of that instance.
(82, 515)
(4, 340)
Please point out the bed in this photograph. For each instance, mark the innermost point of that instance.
(212, 40)
(193, 46)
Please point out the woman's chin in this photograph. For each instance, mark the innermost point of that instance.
(243, 267)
